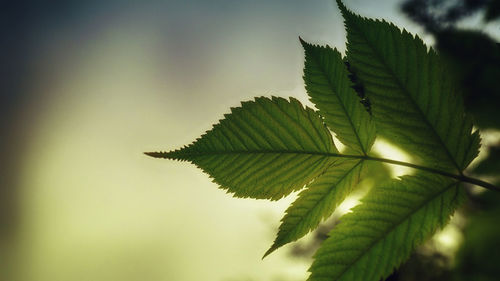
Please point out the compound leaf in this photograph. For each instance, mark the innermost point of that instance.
(270, 147)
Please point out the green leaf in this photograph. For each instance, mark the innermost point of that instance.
(381, 233)
(318, 201)
(266, 148)
(414, 101)
(327, 83)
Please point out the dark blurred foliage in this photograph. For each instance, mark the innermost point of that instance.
(437, 15)
(473, 54)
(490, 166)
(479, 256)
(421, 265)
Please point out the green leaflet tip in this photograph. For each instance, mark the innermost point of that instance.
(179, 154)
(157, 154)
(304, 44)
(346, 13)
(268, 252)
(341, 6)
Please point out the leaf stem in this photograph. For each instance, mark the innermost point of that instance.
(432, 170)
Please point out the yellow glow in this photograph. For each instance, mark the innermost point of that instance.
(448, 240)
(390, 151)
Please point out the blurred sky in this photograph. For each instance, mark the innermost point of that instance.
(90, 85)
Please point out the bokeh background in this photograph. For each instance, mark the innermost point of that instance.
(88, 86)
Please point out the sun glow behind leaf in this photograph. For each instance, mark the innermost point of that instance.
(384, 147)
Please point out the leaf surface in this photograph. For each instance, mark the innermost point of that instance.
(382, 232)
(266, 148)
(328, 85)
(318, 201)
(414, 100)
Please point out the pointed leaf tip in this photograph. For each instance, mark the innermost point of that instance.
(157, 154)
(302, 41)
(269, 251)
(341, 6)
